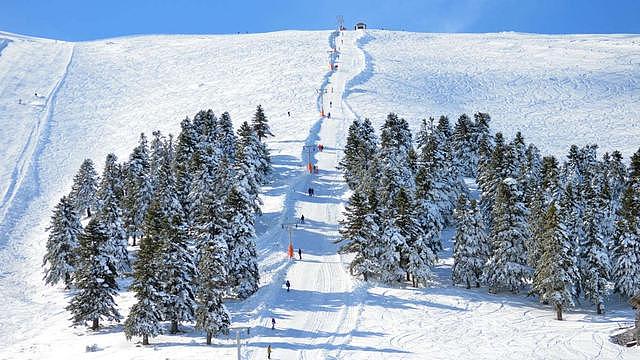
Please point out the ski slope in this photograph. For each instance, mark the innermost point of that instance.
(557, 90)
(97, 97)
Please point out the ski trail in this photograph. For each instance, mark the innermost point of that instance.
(24, 183)
(318, 316)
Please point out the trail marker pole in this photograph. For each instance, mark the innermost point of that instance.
(238, 330)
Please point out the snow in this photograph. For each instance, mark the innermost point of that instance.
(98, 96)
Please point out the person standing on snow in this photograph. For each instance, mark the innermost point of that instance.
(273, 324)
(300, 253)
(288, 285)
(302, 219)
(269, 352)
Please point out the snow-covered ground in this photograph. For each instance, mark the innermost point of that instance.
(96, 97)
(557, 90)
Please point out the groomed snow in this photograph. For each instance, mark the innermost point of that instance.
(100, 95)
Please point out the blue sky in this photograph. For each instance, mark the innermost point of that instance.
(87, 20)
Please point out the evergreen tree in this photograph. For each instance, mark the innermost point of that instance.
(464, 144)
(595, 265)
(185, 149)
(553, 277)
(395, 146)
(532, 174)
(251, 163)
(146, 314)
(490, 175)
(626, 246)
(471, 246)
(244, 278)
(95, 279)
(138, 189)
(61, 257)
(85, 185)
(226, 137)
(261, 124)
(506, 267)
(550, 185)
(177, 266)
(416, 257)
(211, 314)
(110, 214)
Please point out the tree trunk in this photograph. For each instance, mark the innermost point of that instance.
(366, 276)
(88, 212)
(208, 337)
(408, 276)
(134, 240)
(468, 284)
(477, 284)
(95, 324)
(145, 339)
(559, 311)
(174, 327)
(599, 309)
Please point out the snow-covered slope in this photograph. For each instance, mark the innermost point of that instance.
(96, 97)
(557, 90)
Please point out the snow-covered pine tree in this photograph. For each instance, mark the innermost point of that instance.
(536, 219)
(211, 314)
(61, 257)
(261, 124)
(464, 146)
(95, 279)
(595, 266)
(138, 189)
(553, 278)
(226, 138)
(626, 245)
(506, 267)
(110, 214)
(351, 161)
(250, 161)
(85, 186)
(185, 149)
(244, 278)
(393, 157)
(112, 178)
(490, 175)
(518, 154)
(416, 257)
(176, 266)
(355, 234)
(157, 154)
(432, 202)
(616, 173)
(146, 314)
(471, 244)
(550, 185)
(571, 212)
(532, 174)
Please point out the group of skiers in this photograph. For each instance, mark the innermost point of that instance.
(310, 191)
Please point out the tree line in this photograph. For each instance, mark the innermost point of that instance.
(190, 203)
(563, 232)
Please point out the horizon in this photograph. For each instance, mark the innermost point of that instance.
(74, 21)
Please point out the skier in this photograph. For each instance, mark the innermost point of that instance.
(330, 103)
(300, 253)
(302, 219)
(269, 352)
(289, 113)
(329, 115)
(273, 324)
(288, 285)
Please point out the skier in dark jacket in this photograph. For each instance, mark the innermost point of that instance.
(302, 219)
(300, 253)
(288, 285)
(273, 324)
